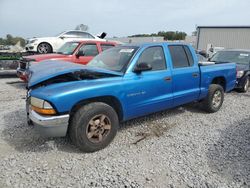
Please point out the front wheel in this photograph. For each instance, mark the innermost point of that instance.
(93, 126)
(246, 86)
(214, 100)
(44, 48)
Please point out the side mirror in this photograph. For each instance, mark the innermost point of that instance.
(142, 67)
(61, 37)
(79, 53)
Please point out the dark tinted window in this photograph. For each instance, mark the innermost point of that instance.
(106, 46)
(88, 50)
(153, 56)
(189, 56)
(179, 57)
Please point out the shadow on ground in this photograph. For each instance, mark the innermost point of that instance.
(23, 137)
(230, 155)
(18, 84)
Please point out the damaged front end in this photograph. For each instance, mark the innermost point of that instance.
(72, 76)
(52, 72)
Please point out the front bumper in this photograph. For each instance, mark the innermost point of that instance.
(240, 82)
(22, 74)
(49, 126)
(31, 47)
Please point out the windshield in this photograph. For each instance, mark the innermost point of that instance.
(68, 48)
(115, 59)
(238, 57)
(58, 34)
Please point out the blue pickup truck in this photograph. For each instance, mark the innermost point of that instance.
(88, 102)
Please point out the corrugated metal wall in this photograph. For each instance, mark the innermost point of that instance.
(224, 37)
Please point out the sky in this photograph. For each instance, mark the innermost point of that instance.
(39, 18)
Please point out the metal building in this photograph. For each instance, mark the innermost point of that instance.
(223, 36)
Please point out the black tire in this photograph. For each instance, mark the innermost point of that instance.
(210, 103)
(244, 89)
(44, 48)
(80, 126)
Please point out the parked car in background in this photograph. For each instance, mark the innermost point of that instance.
(46, 45)
(201, 58)
(77, 52)
(242, 60)
(121, 83)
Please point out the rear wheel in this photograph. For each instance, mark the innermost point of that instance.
(93, 126)
(44, 48)
(214, 99)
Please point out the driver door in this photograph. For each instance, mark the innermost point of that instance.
(149, 91)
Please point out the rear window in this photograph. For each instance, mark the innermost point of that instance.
(106, 46)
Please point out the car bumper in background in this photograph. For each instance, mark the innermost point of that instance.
(240, 82)
(22, 74)
(32, 47)
(49, 126)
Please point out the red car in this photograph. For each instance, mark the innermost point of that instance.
(77, 52)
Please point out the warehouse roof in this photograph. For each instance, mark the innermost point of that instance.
(232, 26)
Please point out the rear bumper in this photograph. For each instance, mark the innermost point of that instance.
(49, 126)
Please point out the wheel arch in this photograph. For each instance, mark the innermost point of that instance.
(220, 80)
(109, 100)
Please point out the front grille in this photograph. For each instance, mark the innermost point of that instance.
(22, 65)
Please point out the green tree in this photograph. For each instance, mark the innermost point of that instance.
(10, 40)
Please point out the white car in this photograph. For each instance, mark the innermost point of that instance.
(52, 44)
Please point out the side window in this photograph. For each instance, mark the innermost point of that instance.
(84, 35)
(106, 46)
(153, 56)
(70, 34)
(179, 57)
(88, 50)
(189, 56)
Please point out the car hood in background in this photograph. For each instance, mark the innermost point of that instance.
(50, 69)
(243, 67)
(42, 57)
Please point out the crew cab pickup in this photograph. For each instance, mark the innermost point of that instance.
(77, 52)
(122, 83)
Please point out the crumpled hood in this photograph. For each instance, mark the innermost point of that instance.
(49, 69)
(42, 57)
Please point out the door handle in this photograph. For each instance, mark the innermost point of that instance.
(195, 75)
(168, 78)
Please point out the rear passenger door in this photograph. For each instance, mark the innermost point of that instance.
(185, 75)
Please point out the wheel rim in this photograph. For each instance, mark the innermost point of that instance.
(98, 128)
(43, 48)
(217, 99)
(246, 85)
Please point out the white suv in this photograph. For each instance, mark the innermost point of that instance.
(52, 44)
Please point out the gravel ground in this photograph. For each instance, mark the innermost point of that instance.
(183, 147)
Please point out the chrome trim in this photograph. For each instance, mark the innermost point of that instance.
(48, 121)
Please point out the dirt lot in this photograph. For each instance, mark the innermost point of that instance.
(182, 147)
